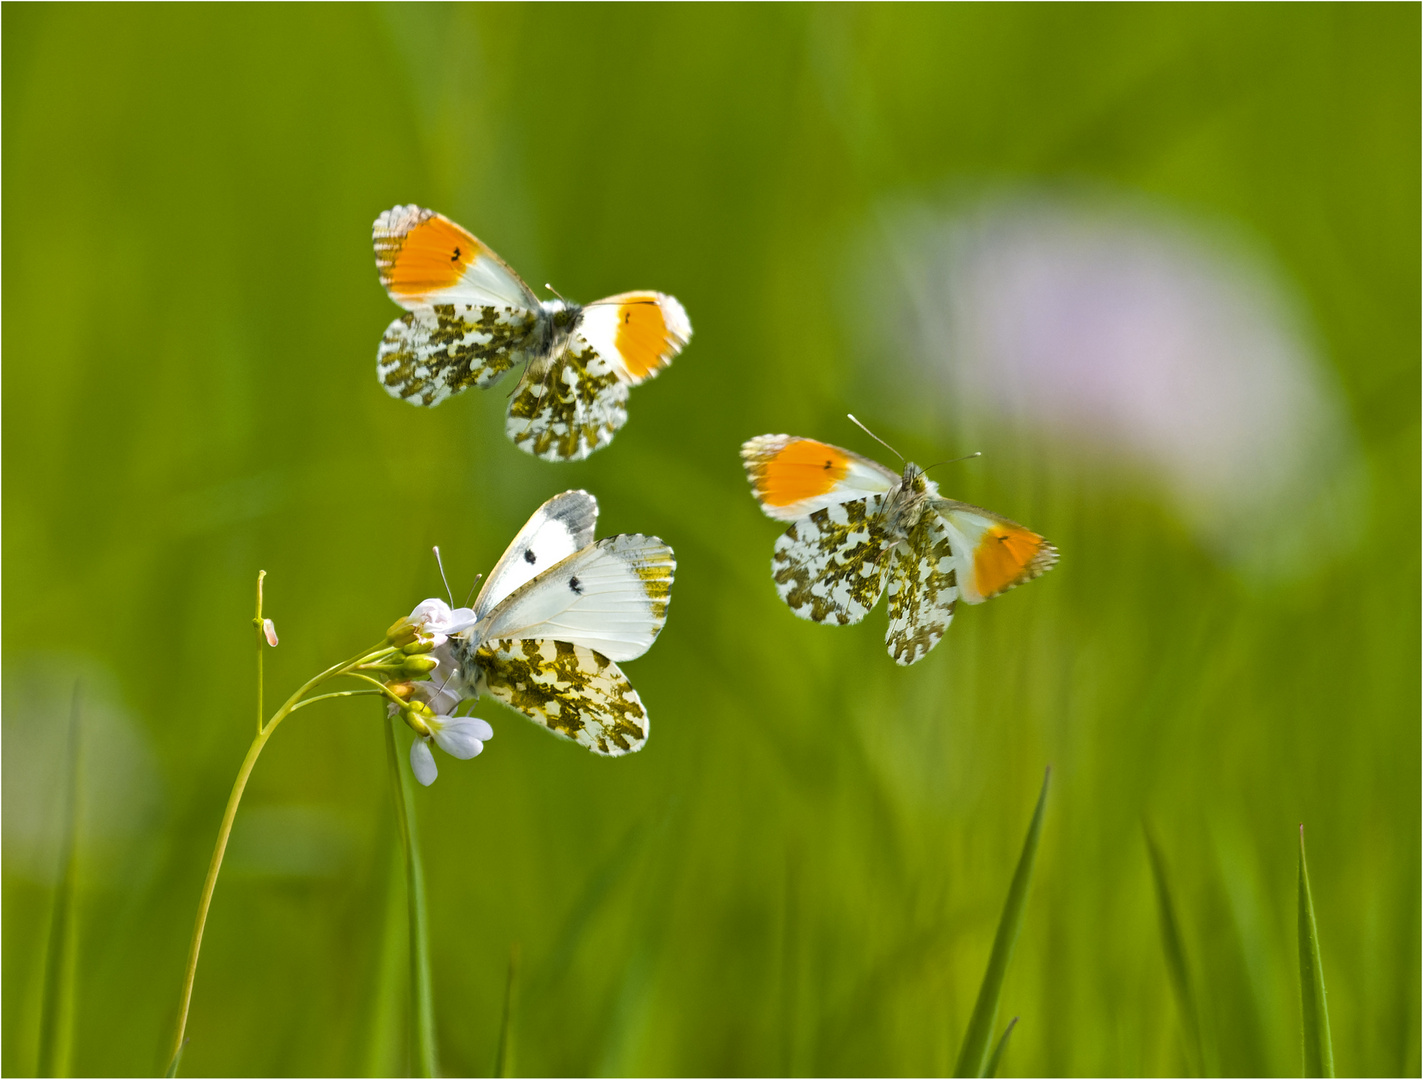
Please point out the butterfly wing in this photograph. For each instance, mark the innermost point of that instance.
(793, 477)
(555, 531)
(570, 689)
(638, 333)
(830, 565)
(435, 351)
(424, 258)
(610, 597)
(469, 318)
(571, 407)
(991, 553)
(923, 590)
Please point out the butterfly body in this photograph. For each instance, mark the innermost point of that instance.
(557, 614)
(859, 530)
(470, 319)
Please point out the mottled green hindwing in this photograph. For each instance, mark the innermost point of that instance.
(923, 590)
(831, 565)
(573, 691)
(570, 408)
(440, 349)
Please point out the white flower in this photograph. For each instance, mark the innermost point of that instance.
(459, 736)
(435, 619)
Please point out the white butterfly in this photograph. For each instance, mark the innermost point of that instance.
(555, 616)
(470, 319)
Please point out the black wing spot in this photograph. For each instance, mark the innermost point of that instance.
(530, 557)
(456, 256)
(575, 585)
(830, 464)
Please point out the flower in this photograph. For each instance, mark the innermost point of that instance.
(425, 635)
(432, 622)
(459, 736)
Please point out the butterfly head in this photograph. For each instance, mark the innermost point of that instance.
(562, 318)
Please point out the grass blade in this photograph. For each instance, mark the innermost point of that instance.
(504, 1054)
(1318, 1046)
(421, 992)
(1176, 958)
(57, 1004)
(973, 1058)
(997, 1058)
(383, 1052)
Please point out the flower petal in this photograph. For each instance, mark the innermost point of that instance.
(422, 762)
(462, 736)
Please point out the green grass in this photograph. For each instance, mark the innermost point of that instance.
(979, 1056)
(805, 868)
(1318, 1046)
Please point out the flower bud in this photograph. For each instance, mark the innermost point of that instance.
(401, 689)
(414, 720)
(420, 665)
(419, 645)
(401, 632)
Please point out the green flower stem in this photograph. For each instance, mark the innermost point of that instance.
(225, 829)
(426, 1061)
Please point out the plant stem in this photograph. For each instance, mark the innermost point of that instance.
(1318, 1046)
(426, 1063)
(225, 830)
(261, 640)
(57, 1015)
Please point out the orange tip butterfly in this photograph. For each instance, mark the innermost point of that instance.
(859, 529)
(469, 319)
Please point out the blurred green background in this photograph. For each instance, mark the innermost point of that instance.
(803, 870)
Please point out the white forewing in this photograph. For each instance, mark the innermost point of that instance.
(611, 597)
(556, 530)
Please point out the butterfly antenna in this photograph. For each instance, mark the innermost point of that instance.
(875, 437)
(476, 581)
(976, 453)
(555, 292)
(440, 563)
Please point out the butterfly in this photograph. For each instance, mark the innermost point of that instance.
(557, 614)
(470, 319)
(858, 527)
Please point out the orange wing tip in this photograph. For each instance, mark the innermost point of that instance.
(652, 328)
(419, 251)
(1008, 555)
(785, 470)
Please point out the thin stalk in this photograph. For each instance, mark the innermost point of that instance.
(504, 1053)
(977, 1041)
(1318, 1046)
(426, 1061)
(225, 830)
(57, 1015)
(261, 640)
(1175, 951)
(384, 1027)
(997, 1059)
